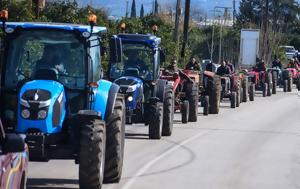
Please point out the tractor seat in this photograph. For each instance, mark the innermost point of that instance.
(46, 74)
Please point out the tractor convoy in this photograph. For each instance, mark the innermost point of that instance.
(53, 91)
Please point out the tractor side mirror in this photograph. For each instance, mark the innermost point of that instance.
(115, 50)
(162, 56)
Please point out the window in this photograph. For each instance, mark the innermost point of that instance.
(95, 55)
(40, 49)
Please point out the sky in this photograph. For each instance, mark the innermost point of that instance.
(118, 7)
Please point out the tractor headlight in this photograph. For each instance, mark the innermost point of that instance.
(130, 99)
(25, 114)
(131, 88)
(42, 114)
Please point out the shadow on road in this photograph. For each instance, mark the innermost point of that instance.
(45, 183)
(137, 136)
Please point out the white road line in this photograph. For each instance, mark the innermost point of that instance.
(141, 171)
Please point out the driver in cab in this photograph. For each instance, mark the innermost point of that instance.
(133, 61)
(51, 59)
(223, 69)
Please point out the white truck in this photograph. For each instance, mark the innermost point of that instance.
(290, 51)
(249, 47)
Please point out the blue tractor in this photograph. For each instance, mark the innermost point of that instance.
(53, 92)
(149, 99)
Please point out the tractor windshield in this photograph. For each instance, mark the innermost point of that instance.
(33, 50)
(138, 60)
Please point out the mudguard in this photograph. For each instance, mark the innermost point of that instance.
(112, 95)
(104, 98)
(39, 95)
(160, 89)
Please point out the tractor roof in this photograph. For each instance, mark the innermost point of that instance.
(61, 26)
(149, 39)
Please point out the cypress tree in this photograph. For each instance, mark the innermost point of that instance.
(156, 7)
(133, 9)
(142, 11)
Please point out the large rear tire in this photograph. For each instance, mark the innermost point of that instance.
(155, 120)
(168, 112)
(214, 92)
(185, 107)
(115, 139)
(192, 95)
(92, 154)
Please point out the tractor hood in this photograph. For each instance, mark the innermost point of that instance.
(129, 84)
(132, 87)
(41, 107)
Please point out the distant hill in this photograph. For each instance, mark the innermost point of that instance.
(118, 7)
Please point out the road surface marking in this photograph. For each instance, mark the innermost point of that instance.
(128, 185)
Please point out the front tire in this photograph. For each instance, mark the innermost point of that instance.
(155, 120)
(264, 90)
(245, 90)
(289, 85)
(115, 141)
(251, 92)
(185, 107)
(274, 79)
(233, 98)
(285, 84)
(206, 105)
(92, 154)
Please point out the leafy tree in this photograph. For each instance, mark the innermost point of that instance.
(282, 19)
(133, 9)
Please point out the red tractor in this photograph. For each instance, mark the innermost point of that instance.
(231, 89)
(262, 81)
(295, 79)
(186, 94)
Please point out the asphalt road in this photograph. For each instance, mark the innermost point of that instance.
(256, 146)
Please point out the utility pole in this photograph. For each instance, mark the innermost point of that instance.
(186, 26)
(177, 21)
(221, 29)
(234, 12)
(220, 42)
(266, 23)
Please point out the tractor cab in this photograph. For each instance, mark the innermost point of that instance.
(58, 60)
(149, 99)
(141, 57)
